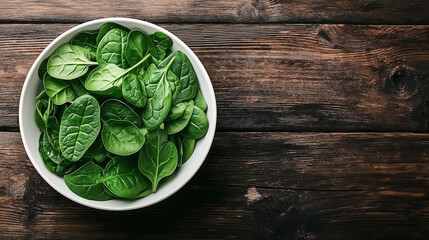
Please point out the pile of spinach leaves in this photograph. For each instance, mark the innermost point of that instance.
(119, 113)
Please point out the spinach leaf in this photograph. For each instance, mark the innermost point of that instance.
(175, 84)
(144, 193)
(69, 62)
(107, 27)
(197, 126)
(118, 110)
(79, 127)
(154, 76)
(162, 43)
(78, 87)
(122, 177)
(177, 140)
(85, 182)
(85, 39)
(52, 153)
(41, 107)
(121, 137)
(111, 48)
(43, 68)
(158, 106)
(176, 111)
(139, 45)
(179, 124)
(107, 78)
(42, 95)
(188, 145)
(58, 90)
(134, 91)
(183, 69)
(59, 169)
(97, 151)
(52, 132)
(200, 102)
(158, 157)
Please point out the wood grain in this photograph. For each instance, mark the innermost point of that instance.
(279, 77)
(221, 11)
(252, 186)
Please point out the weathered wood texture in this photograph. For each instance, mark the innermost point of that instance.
(196, 11)
(279, 77)
(252, 186)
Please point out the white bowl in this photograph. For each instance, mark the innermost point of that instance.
(30, 133)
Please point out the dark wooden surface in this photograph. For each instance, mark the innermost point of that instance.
(322, 130)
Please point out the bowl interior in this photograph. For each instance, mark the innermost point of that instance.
(30, 133)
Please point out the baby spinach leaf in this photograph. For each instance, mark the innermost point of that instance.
(188, 145)
(85, 182)
(153, 77)
(122, 177)
(69, 62)
(200, 102)
(175, 84)
(59, 169)
(177, 140)
(58, 90)
(176, 111)
(42, 95)
(162, 43)
(97, 151)
(107, 78)
(179, 124)
(43, 68)
(197, 126)
(85, 39)
(79, 127)
(144, 193)
(139, 45)
(183, 69)
(41, 107)
(158, 157)
(118, 110)
(134, 91)
(121, 137)
(107, 27)
(158, 106)
(52, 153)
(111, 48)
(78, 87)
(52, 131)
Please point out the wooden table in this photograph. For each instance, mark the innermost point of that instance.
(322, 130)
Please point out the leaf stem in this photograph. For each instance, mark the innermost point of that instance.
(135, 65)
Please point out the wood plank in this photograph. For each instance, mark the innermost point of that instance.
(279, 77)
(252, 186)
(243, 11)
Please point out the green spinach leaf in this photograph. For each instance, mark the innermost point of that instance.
(121, 137)
(162, 43)
(139, 46)
(58, 90)
(158, 106)
(85, 182)
(134, 91)
(69, 62)
(52, 131)
(111, 48)
(97, 151)
(200, 102)
(118, 110)
(43, 68)
(158, 157)
(176, 111)
(188, 145)
(183, 69)
(122, 177)
(107, 78)
(179, 124)
(52, 153)
(79, 127)
(197, 126)
(107, 27)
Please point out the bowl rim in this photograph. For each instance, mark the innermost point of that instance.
(33, 70)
